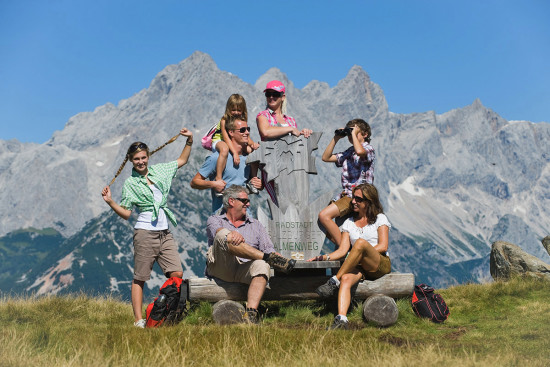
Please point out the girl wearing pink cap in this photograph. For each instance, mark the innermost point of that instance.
(273, 122)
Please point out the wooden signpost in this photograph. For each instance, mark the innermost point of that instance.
(292, 224)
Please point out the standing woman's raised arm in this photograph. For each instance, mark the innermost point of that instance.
(184, 156)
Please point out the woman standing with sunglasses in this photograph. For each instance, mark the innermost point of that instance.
(273, 122)
(147, 189)
(367, 236)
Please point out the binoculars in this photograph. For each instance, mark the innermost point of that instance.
(343, 132)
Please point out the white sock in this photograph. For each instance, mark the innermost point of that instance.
(336, 280)
(343, 318)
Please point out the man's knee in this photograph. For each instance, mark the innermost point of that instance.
(221, 238)
(260, 268)
(176, 274)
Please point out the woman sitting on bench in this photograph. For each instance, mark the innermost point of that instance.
(366, 233)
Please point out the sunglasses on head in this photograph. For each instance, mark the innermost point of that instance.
(243, 129)
(140, 146)
(359, 199)
(273, 94)
(243, 200)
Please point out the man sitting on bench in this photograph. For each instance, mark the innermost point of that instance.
(240, 250)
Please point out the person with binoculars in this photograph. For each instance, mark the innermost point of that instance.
(357, 164)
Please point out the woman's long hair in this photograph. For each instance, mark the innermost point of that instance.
(374, 207)
(137, 147)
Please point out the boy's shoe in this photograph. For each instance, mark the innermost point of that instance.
(338, 323)
(251, 316)
(327, 290)
(251, 188)
(140, 323)
(280, 263)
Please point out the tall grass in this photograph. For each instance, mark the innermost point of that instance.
(497, 324)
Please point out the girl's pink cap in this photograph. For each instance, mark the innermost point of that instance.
(275, 85)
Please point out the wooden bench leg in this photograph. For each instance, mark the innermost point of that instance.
(226, 312)
(380, 310)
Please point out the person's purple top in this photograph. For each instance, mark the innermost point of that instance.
(356, 170)
(252, 230)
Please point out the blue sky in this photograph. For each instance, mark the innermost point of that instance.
(62, 57)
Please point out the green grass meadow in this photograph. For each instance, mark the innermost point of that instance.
(495, 324)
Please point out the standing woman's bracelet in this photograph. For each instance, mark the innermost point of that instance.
(189, 142)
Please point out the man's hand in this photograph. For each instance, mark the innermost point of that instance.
(234, 238)
(218, 185)
(256, 182)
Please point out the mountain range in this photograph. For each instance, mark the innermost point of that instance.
(451, 183)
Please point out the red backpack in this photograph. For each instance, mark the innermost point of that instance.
(170, 307)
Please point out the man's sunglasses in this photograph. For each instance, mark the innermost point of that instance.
(359, 199)
(243, 200)
(273, 94)
(243, 129)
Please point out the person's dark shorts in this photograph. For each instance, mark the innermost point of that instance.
(383, 268)
(151, 246)
(344, 206)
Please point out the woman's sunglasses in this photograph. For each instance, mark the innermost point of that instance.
(243, 129)
(273, 94)
(140, 146)
(243, 200)
(359, 199)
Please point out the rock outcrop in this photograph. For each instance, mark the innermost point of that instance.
(509, 260)
(546, 244)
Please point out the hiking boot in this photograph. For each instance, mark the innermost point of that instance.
(327, 290)
(338, 323)
(251, 188)
(280, 263)
(140, 323)
(251, 316)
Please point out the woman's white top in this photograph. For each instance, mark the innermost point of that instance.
(144, 218)
(369, 232)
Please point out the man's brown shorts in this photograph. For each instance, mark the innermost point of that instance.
(220, 263)
(151, 246)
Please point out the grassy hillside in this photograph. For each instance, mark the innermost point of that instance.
(497, 324)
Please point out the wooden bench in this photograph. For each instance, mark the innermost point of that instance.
(380, 307)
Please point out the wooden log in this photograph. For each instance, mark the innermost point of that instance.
(380, 310)
(227, 312)
(395, 285)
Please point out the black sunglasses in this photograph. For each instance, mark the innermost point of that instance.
(359, 199)
(243, 200)
(243, 129)
(273, 94)
(133, 148)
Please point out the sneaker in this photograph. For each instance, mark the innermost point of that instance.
(251, 188)
(140, 323)
(281, 263)
(327, 290)
(251, 316)
(338, 323)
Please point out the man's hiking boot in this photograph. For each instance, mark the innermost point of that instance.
(251, 188)
(251, 316)
(140, 323)
(327, 290)
(281, 263)
(338, 323)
